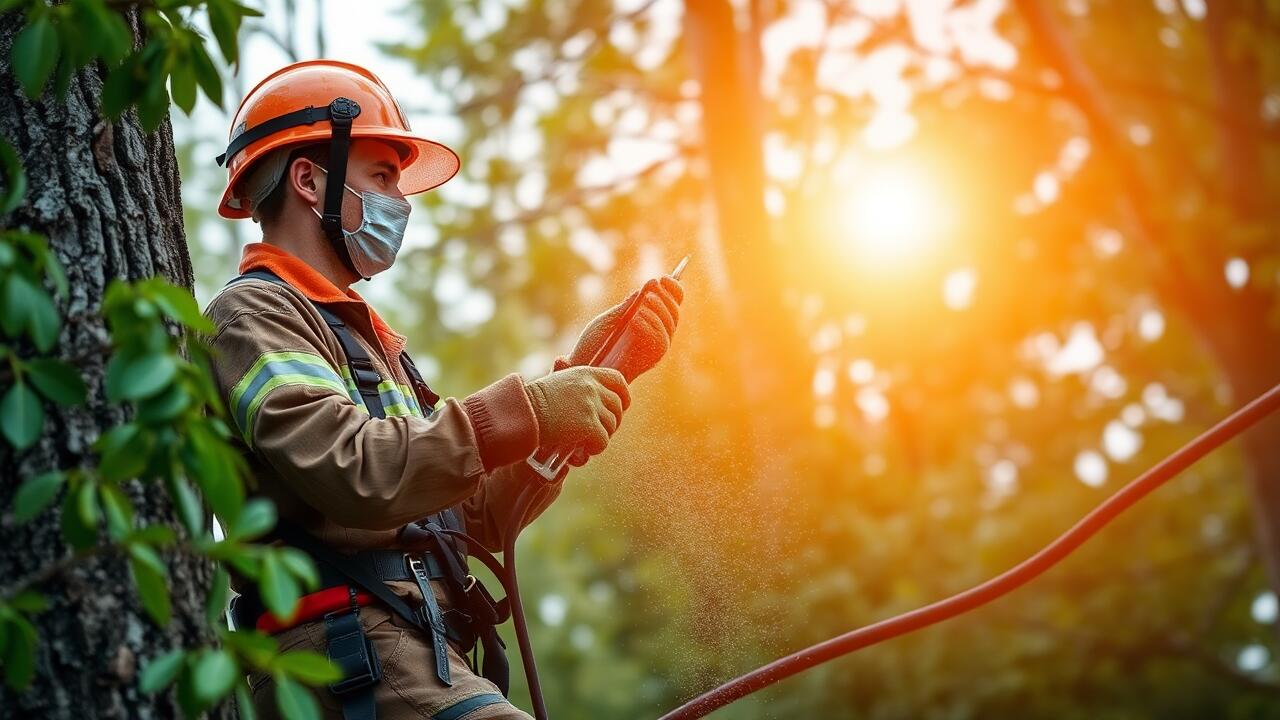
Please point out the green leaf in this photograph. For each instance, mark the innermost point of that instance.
(35, 495)
(309, 667)
(295, 701)
(87, 503)
(224, 22)
(56, 380)
(19, 296)
(190, 511)
(147, 555)
(131, 376)
(35, 51)
(257, 647)
(19, 652)
(244, 703)
(76, 533)
(246, 11)
(160, 672)
(164, 407)
(119, 90)
(214, 673)
(179, 305)
(207, 459)
(219, 592)
(124, 450)
(182, 86)
(21, 416)
(206, 74)
(43, 323)
(298, 563)
(30, 602)
(148, 576)
(118, 509)
(154, 535)
(257, 517)
(53, 270)
(279, 589)
(15, 178)
(153, 106)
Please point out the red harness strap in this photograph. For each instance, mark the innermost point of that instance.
(313, 607)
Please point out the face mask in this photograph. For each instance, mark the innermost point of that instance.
(373, 246)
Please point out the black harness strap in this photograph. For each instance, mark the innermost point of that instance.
(426, 398)
(359, 362)
(428, 618)
(308, 115)
(350, 649)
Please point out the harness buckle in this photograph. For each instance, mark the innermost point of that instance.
(351, 650)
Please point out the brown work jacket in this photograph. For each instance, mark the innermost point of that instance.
(312, 447)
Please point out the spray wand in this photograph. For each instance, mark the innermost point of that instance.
(610, 355)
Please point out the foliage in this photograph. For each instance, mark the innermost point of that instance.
(60, 39)
(177, 437)
(684, 555)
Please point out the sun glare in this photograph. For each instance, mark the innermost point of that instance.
(893, 213)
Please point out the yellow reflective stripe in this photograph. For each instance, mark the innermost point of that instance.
(263, 360)
(412, 399)
(279, 381)
(270, 371)
(393, 403)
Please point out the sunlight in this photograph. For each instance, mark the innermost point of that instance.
(894, 213)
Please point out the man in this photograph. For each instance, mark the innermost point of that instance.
(367, 472)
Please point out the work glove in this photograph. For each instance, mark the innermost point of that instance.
(654, 323)
(578, 407)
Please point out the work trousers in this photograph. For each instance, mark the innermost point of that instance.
(409, 689)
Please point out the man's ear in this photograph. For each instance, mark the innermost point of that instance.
(307, 181)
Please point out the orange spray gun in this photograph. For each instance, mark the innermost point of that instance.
(611, 354)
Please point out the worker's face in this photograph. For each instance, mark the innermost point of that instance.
(372, 165)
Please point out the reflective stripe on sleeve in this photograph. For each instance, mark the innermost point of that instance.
(273, 370)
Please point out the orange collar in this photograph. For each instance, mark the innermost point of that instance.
(308, 281)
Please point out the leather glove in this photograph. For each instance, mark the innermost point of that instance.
(655, 322)
(578, 407)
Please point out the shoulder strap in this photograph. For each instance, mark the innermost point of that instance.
(358, 361)
(426, 398)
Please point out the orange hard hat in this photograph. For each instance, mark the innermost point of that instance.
(326, 100)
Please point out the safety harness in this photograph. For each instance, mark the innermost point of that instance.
(433, 548)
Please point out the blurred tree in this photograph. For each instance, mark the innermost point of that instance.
(839, 436)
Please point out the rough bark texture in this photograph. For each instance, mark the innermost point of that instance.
(107, 197)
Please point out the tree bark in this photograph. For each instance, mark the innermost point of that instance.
(107, 198)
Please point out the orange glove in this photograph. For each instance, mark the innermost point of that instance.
(655, 322)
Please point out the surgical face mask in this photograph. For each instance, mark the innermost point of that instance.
(373, 246)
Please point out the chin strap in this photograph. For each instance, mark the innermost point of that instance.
(340, 113)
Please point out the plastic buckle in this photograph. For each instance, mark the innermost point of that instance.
(343, 110)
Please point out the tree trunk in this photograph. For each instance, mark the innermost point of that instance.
(1252, 355)
(107, 198)
(725, 63)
